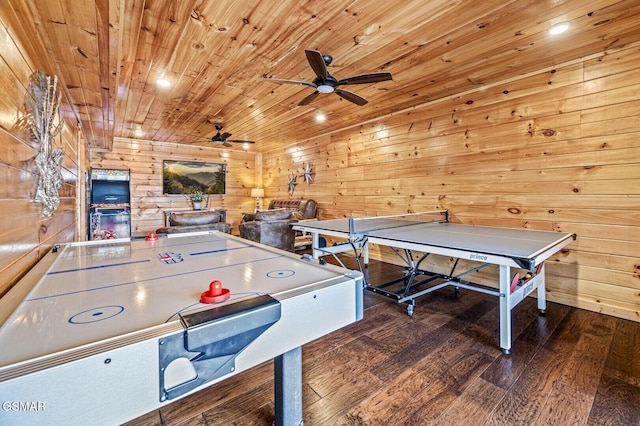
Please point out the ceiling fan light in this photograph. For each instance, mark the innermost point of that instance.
(324, 88)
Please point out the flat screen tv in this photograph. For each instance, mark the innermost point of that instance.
(184, 177)
(110, 192)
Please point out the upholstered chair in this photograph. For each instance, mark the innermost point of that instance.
(271, 227)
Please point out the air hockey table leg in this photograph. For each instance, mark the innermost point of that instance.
(288, 388)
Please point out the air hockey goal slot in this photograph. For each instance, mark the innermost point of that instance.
(210, 343)
(178, 372)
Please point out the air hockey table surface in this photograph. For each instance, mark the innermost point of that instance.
(96, 298)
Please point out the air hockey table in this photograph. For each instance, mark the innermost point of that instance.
(110, 330)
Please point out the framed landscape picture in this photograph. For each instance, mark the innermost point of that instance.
(185, 177)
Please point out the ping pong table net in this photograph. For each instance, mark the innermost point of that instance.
(368, 224)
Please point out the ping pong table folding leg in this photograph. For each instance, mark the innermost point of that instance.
(542, 295)
(505, 311)
(288, 388)
(315, 244)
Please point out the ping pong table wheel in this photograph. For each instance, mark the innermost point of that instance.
(410, 308)
(215, 294)
(151, 236)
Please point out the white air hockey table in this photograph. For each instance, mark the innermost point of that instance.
(431, 233)
(110, 330)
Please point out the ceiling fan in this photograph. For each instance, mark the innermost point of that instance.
(325, 83)
(223, 138)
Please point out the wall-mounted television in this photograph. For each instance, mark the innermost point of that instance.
(184, 177)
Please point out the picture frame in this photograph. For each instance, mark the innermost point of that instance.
(186, 177)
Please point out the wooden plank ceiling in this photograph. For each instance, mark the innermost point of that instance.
(109, 55)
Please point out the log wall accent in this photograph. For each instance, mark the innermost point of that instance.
(25, 236)
(148, 203)
(555, 150)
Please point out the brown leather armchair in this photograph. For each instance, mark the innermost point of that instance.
(301, 209)
(194, 221)
(271, 227)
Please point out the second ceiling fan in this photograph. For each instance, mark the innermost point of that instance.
(325, 83)
(223, 138)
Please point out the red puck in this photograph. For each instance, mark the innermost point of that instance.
(151, 236)
(215, 294)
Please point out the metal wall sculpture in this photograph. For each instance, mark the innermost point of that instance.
(308, 173)
(307, 176)
(45, 124)
(293, 181)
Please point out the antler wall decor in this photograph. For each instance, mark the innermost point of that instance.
(41, 106)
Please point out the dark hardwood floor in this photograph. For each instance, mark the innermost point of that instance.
(444, 366)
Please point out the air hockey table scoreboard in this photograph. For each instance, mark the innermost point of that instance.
(110, 330)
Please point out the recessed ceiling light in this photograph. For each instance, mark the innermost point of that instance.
(559, 28)
(321, 118)
(163, 82)
(137, 132)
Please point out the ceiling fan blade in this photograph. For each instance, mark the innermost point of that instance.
(279, 80)
(307, 100)
(367, 78)
(226, 144)
(238, 141)
(351, 97)
(317, 63)
(224, 136)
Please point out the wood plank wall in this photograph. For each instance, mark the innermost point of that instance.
(555, 150)
(25, 236)
(144, 159)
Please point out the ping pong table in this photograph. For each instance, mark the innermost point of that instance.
(431, 233)
(110, 330)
